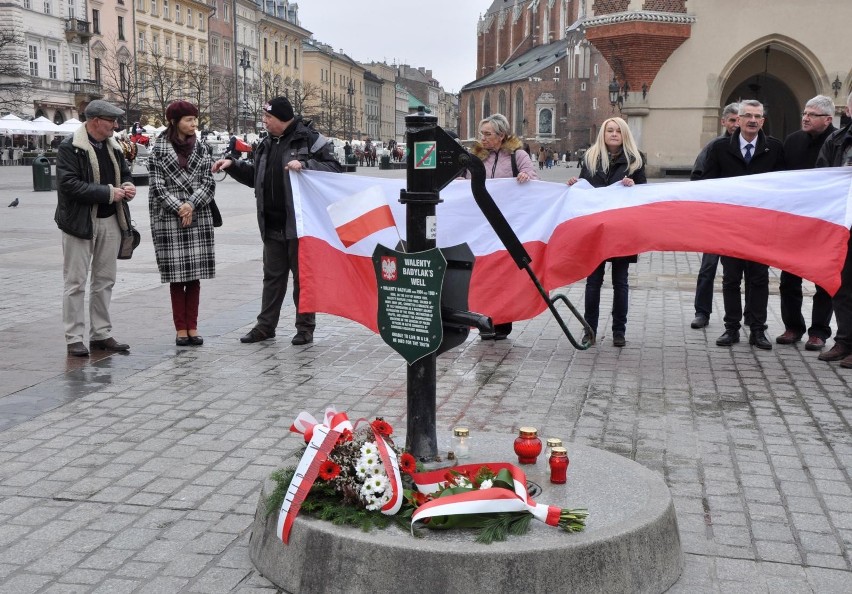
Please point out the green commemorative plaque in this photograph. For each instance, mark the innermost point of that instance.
(409, 287)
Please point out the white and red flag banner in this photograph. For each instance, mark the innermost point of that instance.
(359, 216)
(797, 221)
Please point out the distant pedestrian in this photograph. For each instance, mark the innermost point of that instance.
(542, 155)
(94, 188)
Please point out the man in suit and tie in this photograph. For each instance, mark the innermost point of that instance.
(746, 152)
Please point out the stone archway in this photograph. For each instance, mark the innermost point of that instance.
(778, 72)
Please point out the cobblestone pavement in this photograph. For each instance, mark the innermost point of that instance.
(140, 472)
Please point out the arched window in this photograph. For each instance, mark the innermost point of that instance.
(501, 102)
(486, 106)
(58, 118)
(545, 121)
(471, 118)
(520, 118)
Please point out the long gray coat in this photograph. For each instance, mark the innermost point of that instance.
(183, 253)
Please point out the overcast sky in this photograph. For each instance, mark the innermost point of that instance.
(439, 35)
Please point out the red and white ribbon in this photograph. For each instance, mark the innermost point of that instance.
(321, 439)
(481, 501)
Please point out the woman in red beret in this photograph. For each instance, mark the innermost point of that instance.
(180, 199)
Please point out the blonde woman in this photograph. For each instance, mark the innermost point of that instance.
(502, 155)
(614, 158)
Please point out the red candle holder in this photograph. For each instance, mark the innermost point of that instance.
(558, 465)
(527, 445)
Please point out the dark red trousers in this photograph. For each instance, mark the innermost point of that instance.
(185, 297)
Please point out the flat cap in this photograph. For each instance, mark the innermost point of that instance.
(102, 109)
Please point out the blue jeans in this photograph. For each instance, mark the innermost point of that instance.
(620, 297)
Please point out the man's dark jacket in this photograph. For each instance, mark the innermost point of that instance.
(801, 149)
(831, 154)
(79, 185)
(303, 144)
(724, 159)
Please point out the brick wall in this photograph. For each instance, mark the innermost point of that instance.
(602, 7)
(665, 5)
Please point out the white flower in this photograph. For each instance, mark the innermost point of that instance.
(378, 482)
(463, 482)
(369, 460)
(361, 471)
(486, 484)
(369, 449)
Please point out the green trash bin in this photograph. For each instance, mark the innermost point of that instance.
(384, 162)
(41, 175)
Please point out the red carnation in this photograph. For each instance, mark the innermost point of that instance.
(382, 427)
(345, 435)
(329, 470)
(407, 463)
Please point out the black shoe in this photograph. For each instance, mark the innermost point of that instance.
(758, 339)
(618, 339)
(500, 336)
(587, 339)
(77, 349)
(256, 335)
(182, 340)
(302, 338)
(486, 336)
(196, 340)
(700, 321)
(108, 344)
(728, 338)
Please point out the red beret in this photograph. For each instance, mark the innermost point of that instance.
(178, 109)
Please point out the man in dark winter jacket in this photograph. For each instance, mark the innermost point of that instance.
(94, 186)
(710, 262)
(801, 149)
(746, 152)
(292, 145)
(836, 152)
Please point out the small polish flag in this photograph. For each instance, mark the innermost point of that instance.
(361, 215)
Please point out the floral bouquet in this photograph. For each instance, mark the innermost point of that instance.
(359, 477)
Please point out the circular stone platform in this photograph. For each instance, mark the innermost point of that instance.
(630, 544)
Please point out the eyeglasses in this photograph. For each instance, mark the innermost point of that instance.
(810, 114)
(751, 116)
(110, 120)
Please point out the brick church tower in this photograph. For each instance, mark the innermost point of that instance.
(535, 66)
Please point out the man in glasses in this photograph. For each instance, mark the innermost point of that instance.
(836, 152)
(94, 186)
(801, 149)
(748, 151)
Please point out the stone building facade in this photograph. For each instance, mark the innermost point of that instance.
(695, 56)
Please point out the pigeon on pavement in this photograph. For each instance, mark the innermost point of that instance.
(14, 203)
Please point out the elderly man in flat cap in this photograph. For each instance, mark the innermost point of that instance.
(94, 187)
(291, 145)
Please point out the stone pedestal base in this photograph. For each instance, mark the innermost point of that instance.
(631, 542)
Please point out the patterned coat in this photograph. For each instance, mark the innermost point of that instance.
(183, 253)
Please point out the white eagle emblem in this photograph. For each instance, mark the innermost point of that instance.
(388, 268)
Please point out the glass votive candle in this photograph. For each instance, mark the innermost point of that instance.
(558, 463)
(527, 445)
(461, 442)
(550, 443)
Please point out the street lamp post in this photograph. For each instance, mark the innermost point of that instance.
(245, 64)
(350, 90)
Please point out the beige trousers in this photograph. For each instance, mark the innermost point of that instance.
(79, 255)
